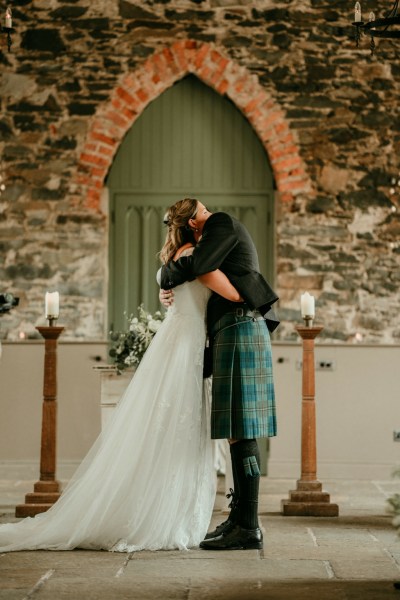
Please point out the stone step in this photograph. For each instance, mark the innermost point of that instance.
(310, 496)
(309, 486)
(309, 509)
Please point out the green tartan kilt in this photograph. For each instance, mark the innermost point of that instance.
(243, 396)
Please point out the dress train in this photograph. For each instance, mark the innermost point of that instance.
(148, 481)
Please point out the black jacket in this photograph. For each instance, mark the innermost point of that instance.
(225, 245)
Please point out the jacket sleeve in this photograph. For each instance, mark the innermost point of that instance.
(176, 272)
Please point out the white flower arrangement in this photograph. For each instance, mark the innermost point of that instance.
(128, 347)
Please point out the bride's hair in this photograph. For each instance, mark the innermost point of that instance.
(177, 218)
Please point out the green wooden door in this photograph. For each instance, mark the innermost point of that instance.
(188, 142)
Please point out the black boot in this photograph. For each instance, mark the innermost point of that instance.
(229, 524)
(232, 520)
(236, 539)
(246, 534)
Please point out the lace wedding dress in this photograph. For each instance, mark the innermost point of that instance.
(148, 481)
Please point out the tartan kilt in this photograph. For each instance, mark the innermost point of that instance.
(243, 396)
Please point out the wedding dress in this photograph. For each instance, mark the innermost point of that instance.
(148, 481)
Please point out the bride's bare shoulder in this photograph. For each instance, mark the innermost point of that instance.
(185, 250)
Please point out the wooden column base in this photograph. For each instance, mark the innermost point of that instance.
(308, 500)
(45, 494)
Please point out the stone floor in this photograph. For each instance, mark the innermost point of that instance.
(354, 556)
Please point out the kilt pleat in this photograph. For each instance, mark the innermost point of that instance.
(243, 396)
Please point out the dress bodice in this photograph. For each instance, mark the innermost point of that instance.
(190, 299)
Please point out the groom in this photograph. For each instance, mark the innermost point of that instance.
(243, 404)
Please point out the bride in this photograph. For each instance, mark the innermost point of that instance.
(148, 481)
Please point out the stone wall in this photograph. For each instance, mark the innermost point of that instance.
(337, 232)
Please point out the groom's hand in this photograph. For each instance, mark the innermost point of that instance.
(166, 297)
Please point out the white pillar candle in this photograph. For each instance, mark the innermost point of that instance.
(52, 304)
(307, 305)
(357, 13)
(8, 18)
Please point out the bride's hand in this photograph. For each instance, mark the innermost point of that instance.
(166, 297)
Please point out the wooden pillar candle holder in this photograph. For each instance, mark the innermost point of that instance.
(47, 489)
(308, 499)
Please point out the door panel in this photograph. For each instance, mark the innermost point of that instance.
(191, 140)
(140, 233)
(188, 142)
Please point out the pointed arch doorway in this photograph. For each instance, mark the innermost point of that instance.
(190, 141)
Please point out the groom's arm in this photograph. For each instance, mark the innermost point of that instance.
(176, 272)
(217, 241)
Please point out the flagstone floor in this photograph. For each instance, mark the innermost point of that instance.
(356, 555)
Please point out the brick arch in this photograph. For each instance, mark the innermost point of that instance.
(158, 73)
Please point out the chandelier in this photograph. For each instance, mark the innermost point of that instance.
(7, 28)
(377, 27)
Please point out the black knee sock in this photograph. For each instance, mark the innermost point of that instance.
(246, 461)
(234, 504)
